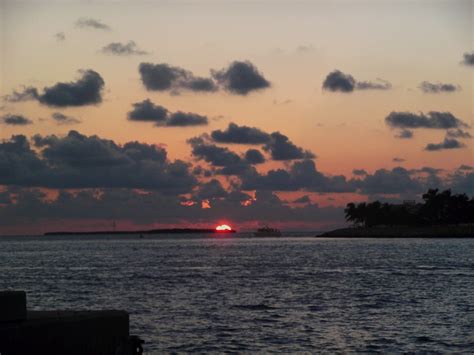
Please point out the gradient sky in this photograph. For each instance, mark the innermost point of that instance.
(294, 45)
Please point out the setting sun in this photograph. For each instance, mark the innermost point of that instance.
(223, 228)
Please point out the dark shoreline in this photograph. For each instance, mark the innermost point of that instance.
(449, 231)
(150, 231)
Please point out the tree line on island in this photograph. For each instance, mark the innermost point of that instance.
(437, 208)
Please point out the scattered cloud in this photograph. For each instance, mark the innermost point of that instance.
(240, 135)
(281, 148)
(87, 22)
(398, 160)
(337, 81)
(241, 78)
(149, 112)
(254, 156)
(405, 134)
(448, 143)
(434, 120)
(359, 172)
(15, 120)
(62, 119)
(458, 133)
(302, 199)
(87, 90)
(437, 88)
(468, 59)
(163, 77)
(123, 49)
(60, 36)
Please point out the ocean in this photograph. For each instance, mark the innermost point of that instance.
(237, 294)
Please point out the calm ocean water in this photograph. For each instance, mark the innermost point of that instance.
(258, 295)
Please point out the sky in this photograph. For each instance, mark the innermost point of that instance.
(193, 113)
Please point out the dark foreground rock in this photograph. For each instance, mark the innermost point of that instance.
(62, 332)
(450, 231)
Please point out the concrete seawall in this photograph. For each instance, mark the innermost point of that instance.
(62, 332)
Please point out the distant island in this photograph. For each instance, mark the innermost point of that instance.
(150, 231)
(440, 215)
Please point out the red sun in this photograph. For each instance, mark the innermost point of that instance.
(223, 228)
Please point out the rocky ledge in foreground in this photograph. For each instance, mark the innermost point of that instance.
(449, 231)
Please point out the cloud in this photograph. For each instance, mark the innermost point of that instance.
(436, 88)
(468, 59)
(458, 133)
(241, 78)
(87, 22)
(60, 36)
(368, 85)
(448, 143)
(303, 199)
(433, 120)
(302, 175)
(254, 156)
(149, 112)
(63, 119)
(123, 49)
(337, 81)
(359, 172)
(281, 148)
(15, 120)
(405, 134)
(80, 161)
(87, 90)
(240, 135)
(398, 160)
(184, 119)
(163, 77)
(466, 167)
(28, 93)
(210, 190)
(395, 181)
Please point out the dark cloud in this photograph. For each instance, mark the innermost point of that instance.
(241, 78)
(210, 190)
(463, 182)
(395, 181)
(398, 160)
(434, 120)
(281, 148)
(448, 143)
(87, 90)
(86, 22)
(79, 161)
(123, 49)
(230, 163)
(254, 156)
(28, 93)
(240, 135)
(163, 77)
(147, 111)
(15, 120)
(466, 167)
(303, 199)
(436, 88)
(339, 81)
(369, 85)
(359, 172)
(404, 134)
(184, 119)
(468, 59)
(302, 175)
(61, 119)
(458, 133)
(60, 36)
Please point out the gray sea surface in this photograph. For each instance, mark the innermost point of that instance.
(238, 294)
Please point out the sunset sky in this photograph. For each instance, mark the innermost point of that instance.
(338, 101)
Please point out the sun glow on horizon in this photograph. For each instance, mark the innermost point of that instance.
(223, 228)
